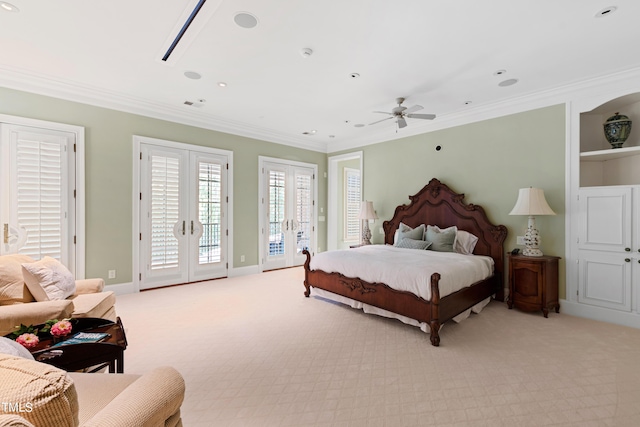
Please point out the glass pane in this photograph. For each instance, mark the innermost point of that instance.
(39, 197)
(303, 212)
(165, 211)
(209, 211)
(276, 212)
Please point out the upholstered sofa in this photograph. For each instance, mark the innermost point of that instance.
(40, 395)
(19, 306)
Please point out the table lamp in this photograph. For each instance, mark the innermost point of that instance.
(531, 202)
(367, 213)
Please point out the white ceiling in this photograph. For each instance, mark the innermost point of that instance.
(439, 54)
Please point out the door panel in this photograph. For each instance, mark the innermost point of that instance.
(36, 206)
(288, 212)
(605, 219)
(183, 219)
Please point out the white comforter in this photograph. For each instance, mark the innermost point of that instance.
(406, 269)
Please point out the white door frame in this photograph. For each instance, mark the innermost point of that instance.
(137, 140)
(261, 206)
(332, 198)
(77, 254)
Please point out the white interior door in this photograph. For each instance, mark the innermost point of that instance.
(288, 213)
(37, 181)
(183, 218)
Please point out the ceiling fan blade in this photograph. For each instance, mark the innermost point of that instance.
(383, 112)
(412, 109)
(380, 121)
(402, 122)
(422, 116)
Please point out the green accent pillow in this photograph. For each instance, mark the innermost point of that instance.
(443, 240)
(407, 232)
(413, 244)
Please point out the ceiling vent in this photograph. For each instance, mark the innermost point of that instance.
(189, 25)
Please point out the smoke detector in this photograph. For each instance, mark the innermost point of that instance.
(306, 52)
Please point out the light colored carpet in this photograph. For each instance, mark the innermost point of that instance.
(255, 352)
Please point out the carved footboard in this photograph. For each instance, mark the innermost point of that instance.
(379, 295)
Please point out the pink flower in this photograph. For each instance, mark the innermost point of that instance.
(61, 328)
(28, 340)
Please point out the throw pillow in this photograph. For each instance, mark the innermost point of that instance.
(443, 240)
(8, 346)
(465, 242)
(12, 287)
(49, 392)
(413, 244)
(48, 279)
(406, 232)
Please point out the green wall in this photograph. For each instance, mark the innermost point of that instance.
(109, 168)
(488, 161)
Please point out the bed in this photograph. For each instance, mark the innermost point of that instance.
(436, 204)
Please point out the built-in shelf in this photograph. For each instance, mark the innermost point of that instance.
(610, 154)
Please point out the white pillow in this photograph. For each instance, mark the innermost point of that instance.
(465, 242)
(48, 279)
(11, 347)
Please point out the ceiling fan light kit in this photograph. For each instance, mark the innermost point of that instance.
(400, 113)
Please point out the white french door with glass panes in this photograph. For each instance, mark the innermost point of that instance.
(183, 215)
(37, 202)
(287, 212)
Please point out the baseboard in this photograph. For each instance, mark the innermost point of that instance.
(121, 288)
(244, 271)
(598, 313)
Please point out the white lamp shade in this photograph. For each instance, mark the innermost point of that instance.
(531, 201)
(366, 211)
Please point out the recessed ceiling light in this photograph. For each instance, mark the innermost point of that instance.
(508, 82)
(245, 20)
(9, 7)
(311, 132)
(499, 72)
(354, 75)
(332, 136)
(222, 84)
(467, 102)
(192, 75)
(606, 11)
(359, 125)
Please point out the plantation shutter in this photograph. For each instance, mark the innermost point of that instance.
(209, 211)
(277, 211)
(39, 193)
(165, 212)
(352, 200)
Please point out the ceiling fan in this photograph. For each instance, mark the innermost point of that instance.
(400, 112)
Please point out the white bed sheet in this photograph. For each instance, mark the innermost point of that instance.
(404, 269)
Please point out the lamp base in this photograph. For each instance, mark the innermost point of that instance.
(531, 252)
(366, 234)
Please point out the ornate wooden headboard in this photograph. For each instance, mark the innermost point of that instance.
(437, 204)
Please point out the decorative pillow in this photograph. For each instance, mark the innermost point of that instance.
(8, 346)
(12, 288)
(48, 391)
(48, 279)
(443, 240)
(413, 244)
(465, 242)
(406, 232)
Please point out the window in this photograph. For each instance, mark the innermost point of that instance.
(352, 200)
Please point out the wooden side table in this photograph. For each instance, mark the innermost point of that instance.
(533, 283)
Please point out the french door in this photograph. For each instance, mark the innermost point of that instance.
(287, 212)
(37, 183)
(183, 215)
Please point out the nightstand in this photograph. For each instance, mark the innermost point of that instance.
(533, 283)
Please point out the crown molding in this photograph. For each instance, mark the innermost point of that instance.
(606, 87)
(27, 81)
(40, 84)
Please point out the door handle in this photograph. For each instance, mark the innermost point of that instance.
(183, 227)
(6, 233)
(191, 227)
